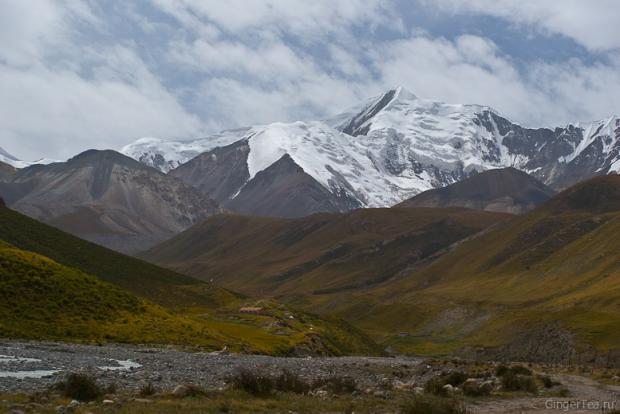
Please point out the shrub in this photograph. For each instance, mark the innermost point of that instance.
(80, 387)
(435, 386)
(289, 382)
(455, 378)
(501, 370)
(428, 404)
(252, 383)
(147, 390)
(546, 381)
(521, 370)
(514, 382)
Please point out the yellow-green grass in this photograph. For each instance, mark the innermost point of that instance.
(65, 296)
(557, 265)
(42, 299)
(160, 285)
(227, 401)
(322, 253)
(553, 265)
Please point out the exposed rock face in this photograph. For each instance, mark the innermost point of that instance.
(7, 171)
(220, 172)
(108, 198)
(285, 190)
(505, 190)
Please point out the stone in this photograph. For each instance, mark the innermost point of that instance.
(487, 387)
(107, 402)
(448, 389)
(470, 386)
(181, 391)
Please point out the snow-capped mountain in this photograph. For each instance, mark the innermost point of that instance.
(384, 151)
(7, 158)
(166, 155)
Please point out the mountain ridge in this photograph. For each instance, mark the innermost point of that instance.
(108, 198)
(505, 190)
(396, 145)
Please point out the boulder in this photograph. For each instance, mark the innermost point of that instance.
(181, 391)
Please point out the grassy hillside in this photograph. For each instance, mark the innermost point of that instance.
(42, 299)
(64, 288)
(549, 277)
(505, 190)
(144, 279)
(323, 253)
(541, 286)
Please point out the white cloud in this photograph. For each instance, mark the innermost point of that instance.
(58, 113)
(60, 97)
(310, 19)
(78, 76)
(593, 24)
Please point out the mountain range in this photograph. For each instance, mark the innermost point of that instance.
(436, 280)
(378, 154)
(429, 226)
(107, 198)
(55, 286)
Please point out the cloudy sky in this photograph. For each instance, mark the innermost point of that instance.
(78, 74)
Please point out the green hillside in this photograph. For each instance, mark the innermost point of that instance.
(318, 254)
(161, 285)
(549, 281)
(42, 299)
(56, 286)
(541, 286)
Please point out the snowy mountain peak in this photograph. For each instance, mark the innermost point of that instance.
(395, 145)
(7, 158)
(401, 93)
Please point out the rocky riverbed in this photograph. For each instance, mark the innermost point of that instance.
(34, 366)
(29, 367)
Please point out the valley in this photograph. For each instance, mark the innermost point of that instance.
(380, 251)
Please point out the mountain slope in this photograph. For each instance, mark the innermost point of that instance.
(196, 313)
(320, 253)
(166, 155)
(42, 299)
(396, 145)
(107, 198)
(549, 279)
(505, 190)
(11, 160)
(7, 171)
(284, 189)
(141, 278)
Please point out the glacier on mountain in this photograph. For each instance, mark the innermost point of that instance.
(396, 145)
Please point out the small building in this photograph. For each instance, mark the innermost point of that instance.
(251, 310)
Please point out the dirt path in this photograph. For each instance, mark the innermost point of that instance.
(586, 396)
